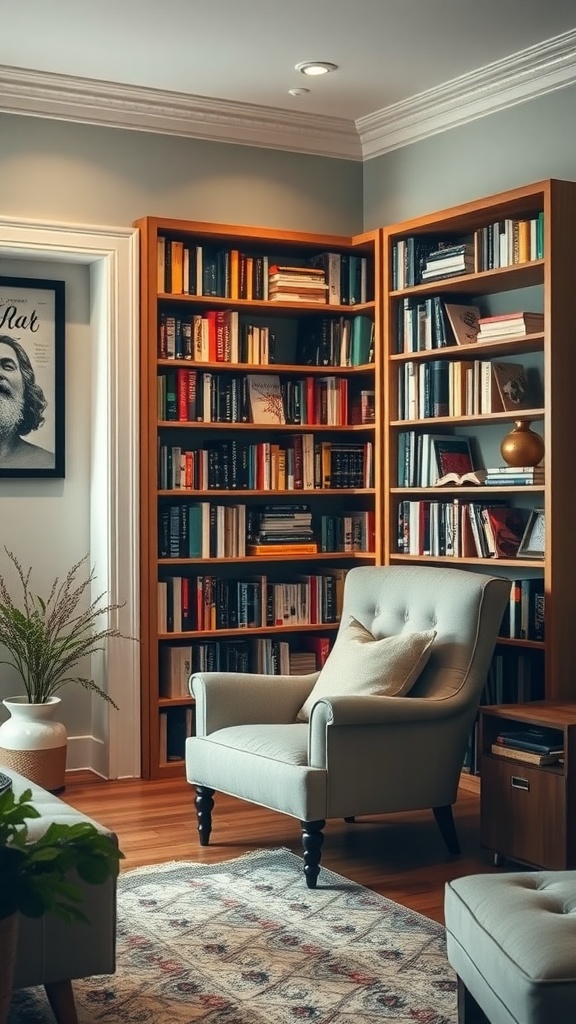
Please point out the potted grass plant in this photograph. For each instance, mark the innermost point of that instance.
(38, 877)
(47, 640)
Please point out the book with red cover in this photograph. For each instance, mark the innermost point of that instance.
(453, 455)
(508, 529)
(320, 645)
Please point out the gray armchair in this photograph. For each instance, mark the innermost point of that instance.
(345, 760)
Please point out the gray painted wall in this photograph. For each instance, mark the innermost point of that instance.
(78, 173)
(529, 142)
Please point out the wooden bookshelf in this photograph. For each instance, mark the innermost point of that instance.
(162, 434)
(543, 282)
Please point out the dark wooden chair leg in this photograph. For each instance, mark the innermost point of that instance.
(445, 822)
(468, 1010)
(204, 803)
(312, 839)
(61, 998)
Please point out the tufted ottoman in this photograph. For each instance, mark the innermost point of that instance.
(511, 938)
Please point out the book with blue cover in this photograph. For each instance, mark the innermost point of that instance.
(541, 739)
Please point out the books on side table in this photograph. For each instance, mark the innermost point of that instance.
(533, 745)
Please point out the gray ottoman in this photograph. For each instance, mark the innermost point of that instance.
(511, 938)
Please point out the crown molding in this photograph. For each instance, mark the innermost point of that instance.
(84, 100)
(525, 75)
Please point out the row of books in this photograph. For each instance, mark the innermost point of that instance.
(257, 654)
(524, 618)
(460, 529)
(514, 677)
(471, 387)
(504, 243)
(208, 603)
(433, 460)
(189, 268)
(335, 341)
(205, 530)
(224, 336)
(424, 324)
(175, 726)
(346, 276)
(297, 462)
(215, 336)
(186, 396)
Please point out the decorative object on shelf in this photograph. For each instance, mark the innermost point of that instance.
(45, 639)
(35, 875)
(522, 446)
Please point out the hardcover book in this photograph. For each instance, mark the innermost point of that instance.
(464, 322)
(528, 756)
(265, 395)
(507, 526)
(453, 455)
(541, 739)
(512, 385)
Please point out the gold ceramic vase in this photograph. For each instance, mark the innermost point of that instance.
(522, 446)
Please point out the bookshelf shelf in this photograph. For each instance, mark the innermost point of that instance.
(208, 315)
(536, 280)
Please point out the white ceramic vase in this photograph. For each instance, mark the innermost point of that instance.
(32, 743)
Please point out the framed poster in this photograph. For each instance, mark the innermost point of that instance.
(532, 543)
(32, 367)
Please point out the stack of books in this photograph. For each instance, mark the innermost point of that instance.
(509, 325)
(281, 530)
(449, 260)
(512, 476)
(297, 284)
(539, 745)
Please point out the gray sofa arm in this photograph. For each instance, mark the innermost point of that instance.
(242, 698)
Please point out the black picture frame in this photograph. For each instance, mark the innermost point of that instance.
(532, 544)
(32, 370)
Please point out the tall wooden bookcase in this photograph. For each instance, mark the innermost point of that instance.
(233, 262)
(543, 282)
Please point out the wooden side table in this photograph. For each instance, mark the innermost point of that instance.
(528, 812)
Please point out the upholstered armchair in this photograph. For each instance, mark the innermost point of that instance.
(400, 687)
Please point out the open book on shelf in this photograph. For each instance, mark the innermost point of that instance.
(474, 476)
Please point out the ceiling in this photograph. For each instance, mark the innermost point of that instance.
(224, 68)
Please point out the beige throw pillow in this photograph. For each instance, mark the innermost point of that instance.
(359, 664)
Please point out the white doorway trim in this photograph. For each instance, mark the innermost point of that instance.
(112, 255)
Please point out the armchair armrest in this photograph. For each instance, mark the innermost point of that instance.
(243, 698)
(334, 717)
(371, 710)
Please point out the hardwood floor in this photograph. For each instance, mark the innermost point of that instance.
(401, 856)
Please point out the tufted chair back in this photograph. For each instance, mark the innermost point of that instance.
(459, 605)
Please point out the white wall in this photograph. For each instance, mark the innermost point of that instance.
(46, 522)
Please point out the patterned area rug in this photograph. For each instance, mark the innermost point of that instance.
(245, 942)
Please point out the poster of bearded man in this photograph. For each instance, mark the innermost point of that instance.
(32, 364)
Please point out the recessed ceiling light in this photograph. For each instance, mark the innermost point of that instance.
(315, 67)
(298, 92)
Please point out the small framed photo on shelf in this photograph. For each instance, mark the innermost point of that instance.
(532, 544)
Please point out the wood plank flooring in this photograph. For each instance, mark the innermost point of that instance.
(401, 856)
